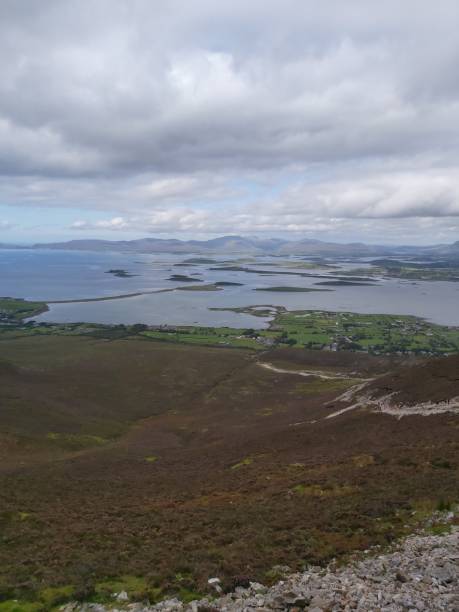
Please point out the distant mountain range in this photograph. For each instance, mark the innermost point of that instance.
(232, 245)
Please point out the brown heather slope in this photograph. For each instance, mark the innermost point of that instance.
(176, 463)
(434, 381)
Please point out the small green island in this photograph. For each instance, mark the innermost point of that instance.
(198, 260)
(183, 278)
(289, 289)
(345, 283)
(209, 287)
(228, 284)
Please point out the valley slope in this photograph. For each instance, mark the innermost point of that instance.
(155, 466)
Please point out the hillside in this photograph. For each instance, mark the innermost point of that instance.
(420, 574)
(135, 465)
(424, 389)
(231, 245)
(436, 381)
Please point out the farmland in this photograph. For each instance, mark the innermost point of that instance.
(364, 332)
(314, 329)
(15, 310)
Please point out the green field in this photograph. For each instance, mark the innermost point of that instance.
(15, 310)
(407, 271)
(310, 329)
(148, 459)
(220, 336)
(361, 332)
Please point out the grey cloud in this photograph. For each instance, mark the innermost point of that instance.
(115, 92)
(133, 105)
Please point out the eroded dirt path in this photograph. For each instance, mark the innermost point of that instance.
(316, 373)
(386, 404)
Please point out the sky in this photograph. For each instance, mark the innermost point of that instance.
(298, 119)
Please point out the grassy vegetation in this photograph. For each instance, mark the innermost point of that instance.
(329, 330)
(288, 289)
(362, 332)
(150, 467)
(425, 274)
(344, 283)
(13, 310)
(71, 441)
(244, 462)
(199, 260)
(209, 287)
(213, 336)
(144, 460)
(135, 586)
(183, 278)
(13, 605)
(372, 333)
(298, 265)
(435, 271)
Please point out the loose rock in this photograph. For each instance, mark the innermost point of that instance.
(420, 574)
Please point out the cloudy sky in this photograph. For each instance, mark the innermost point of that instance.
(334, 120)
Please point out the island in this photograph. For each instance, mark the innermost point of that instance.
(120, 273)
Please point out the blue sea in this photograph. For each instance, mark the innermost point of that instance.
(52, 275)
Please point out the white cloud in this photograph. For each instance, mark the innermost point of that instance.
(162, 113)
(117, 223)
(394, 195)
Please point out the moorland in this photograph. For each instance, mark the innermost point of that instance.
(135, 459)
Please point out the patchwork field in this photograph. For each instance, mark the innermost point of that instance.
(311, 329)
(151, 466)
(14, 310)
(367, 332)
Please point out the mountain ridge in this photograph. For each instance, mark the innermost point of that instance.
(234, 244)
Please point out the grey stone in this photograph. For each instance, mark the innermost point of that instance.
(420, 574)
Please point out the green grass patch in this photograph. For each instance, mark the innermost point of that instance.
(137, 588)
(243, 463)
(439, 528)
(53, 596)
(369, 333)
(211, 287)
(314, 329)
(74, 441)
(288, 289)
(13, 605)
(13, 310)
(323, 385)
(208, 336)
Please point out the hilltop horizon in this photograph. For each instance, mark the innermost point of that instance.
(233, 243)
